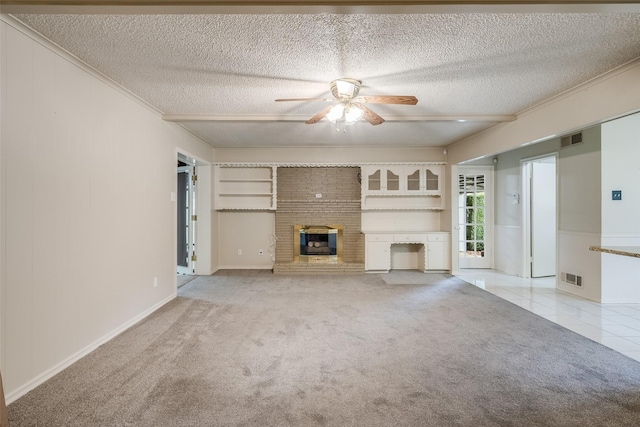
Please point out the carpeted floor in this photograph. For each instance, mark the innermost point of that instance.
(249, 348)
(183, 279)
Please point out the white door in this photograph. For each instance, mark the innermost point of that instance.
(543, 219)
(474, 217)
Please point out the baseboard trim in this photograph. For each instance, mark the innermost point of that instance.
(26, 388)
(245, 267)
(604, 302)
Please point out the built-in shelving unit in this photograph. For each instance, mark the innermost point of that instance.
(245, 187)
(402, 186)
(398, 186)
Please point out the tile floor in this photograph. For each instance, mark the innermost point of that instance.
(615, 325)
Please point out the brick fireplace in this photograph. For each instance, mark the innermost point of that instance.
(318, 198)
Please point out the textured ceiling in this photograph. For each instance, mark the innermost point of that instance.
(455, 64)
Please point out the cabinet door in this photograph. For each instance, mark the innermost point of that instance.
(374, 179)
(413, 181)
(433, 182)
(378, 256)
(437, 256)
(383, 180)
(392, 180)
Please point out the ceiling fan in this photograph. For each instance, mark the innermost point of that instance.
(348, 106)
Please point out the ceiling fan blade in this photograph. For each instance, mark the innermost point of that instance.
(319, 116)
(369, 115)
(388, 99)
(304, 99)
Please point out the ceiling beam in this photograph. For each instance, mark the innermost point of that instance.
(315, 6)
(300, 118)
(299, 2)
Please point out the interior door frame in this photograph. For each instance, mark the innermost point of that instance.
(525, 204)
(206, 229)
(488, 172)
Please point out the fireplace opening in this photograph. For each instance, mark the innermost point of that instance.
(318, 243)
(323, 243)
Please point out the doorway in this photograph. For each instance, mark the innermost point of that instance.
(539, 215)
(186, 227)
(475, 213)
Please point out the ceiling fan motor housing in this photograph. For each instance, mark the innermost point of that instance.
(345, 89)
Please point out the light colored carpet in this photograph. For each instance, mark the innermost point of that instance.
(183, 279)
(249, 348)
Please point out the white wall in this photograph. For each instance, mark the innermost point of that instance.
(87, 218)
(247, 231)
(620, 224)
(508, 216)
(204, 199)
(331, 155)
(579, 213)
(621, 171)
(418, 220)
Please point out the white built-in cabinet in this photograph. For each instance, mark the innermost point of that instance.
(405, 186)
(245, 187)
(434, 250)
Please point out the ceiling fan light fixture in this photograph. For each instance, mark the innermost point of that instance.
(336, 113)
(349, 106)
(352, 115)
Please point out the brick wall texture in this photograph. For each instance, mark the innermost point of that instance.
(340, 204)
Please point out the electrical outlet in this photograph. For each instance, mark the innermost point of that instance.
(260, 252)
(155, 282)
(318, 195)
(239, 251)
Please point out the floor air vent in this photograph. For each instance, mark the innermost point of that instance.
(568, 141)
(571, 279)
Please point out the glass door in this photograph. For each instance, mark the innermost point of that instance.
(473, 214)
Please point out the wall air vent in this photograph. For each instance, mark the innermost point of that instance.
(571, 279)
(569, 140)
